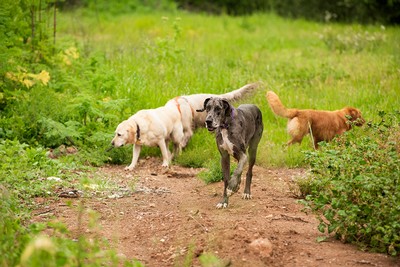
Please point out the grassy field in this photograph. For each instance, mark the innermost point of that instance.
(151, 58)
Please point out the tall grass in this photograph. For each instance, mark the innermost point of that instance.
(155, 57)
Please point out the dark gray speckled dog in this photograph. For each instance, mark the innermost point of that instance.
(236, 130)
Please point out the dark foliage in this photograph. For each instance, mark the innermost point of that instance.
(368, 11)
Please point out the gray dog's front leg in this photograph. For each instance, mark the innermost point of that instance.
(234, 182)
(225, 164)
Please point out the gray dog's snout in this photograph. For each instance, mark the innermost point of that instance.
(210, 125)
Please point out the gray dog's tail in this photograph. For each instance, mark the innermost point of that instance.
(241, 92)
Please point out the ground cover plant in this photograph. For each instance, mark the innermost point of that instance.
(34, 175)
(72, 91)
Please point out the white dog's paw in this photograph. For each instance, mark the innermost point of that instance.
(246, 196)
(222, 205)
(129, 168)
(165, 164)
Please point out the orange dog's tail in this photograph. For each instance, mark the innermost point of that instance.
(278, 108)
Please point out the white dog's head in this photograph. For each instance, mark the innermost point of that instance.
(127, 132)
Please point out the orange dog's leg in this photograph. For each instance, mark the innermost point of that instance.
(296, 130)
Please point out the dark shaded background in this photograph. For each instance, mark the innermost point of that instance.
(348, 11)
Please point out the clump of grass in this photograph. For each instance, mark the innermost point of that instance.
(200, 150)
(213, 173)
(354, 40)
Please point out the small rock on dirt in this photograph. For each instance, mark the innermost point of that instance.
(262, 246)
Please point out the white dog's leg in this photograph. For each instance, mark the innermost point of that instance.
(165, 153)
(178, 139)
(135, 157)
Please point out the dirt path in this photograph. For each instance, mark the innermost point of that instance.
(170, 215)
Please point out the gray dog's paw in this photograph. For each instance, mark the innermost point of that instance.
(233, 187)
(246, 196)
(222, 205)
(229, 192)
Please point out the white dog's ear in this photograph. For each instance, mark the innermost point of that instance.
(131, 131)
(204, 105)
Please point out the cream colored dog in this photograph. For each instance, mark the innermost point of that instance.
(154, 127)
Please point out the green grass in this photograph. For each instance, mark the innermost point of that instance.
(155, 57)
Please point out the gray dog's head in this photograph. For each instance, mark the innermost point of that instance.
(218, 110)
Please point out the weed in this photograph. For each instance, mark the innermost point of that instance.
(211, 260)
(352, 40)
(214, 172)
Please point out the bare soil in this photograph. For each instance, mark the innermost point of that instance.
(170, 216)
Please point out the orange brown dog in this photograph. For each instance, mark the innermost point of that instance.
(323, 125)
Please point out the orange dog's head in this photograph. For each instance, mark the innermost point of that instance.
(354, 116)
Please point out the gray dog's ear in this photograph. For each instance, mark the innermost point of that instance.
(205, 104)
(227, 106)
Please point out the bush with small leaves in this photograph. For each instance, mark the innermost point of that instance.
(354, 185)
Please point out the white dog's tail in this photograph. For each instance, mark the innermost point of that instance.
(278, 108)
(241, 92)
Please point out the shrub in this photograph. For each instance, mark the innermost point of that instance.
(354, 185)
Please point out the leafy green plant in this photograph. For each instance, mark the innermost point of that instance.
(354, 185)
(56, 133)
(166, 49)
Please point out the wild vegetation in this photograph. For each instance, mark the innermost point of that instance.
(353, 186)
(68, 78)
